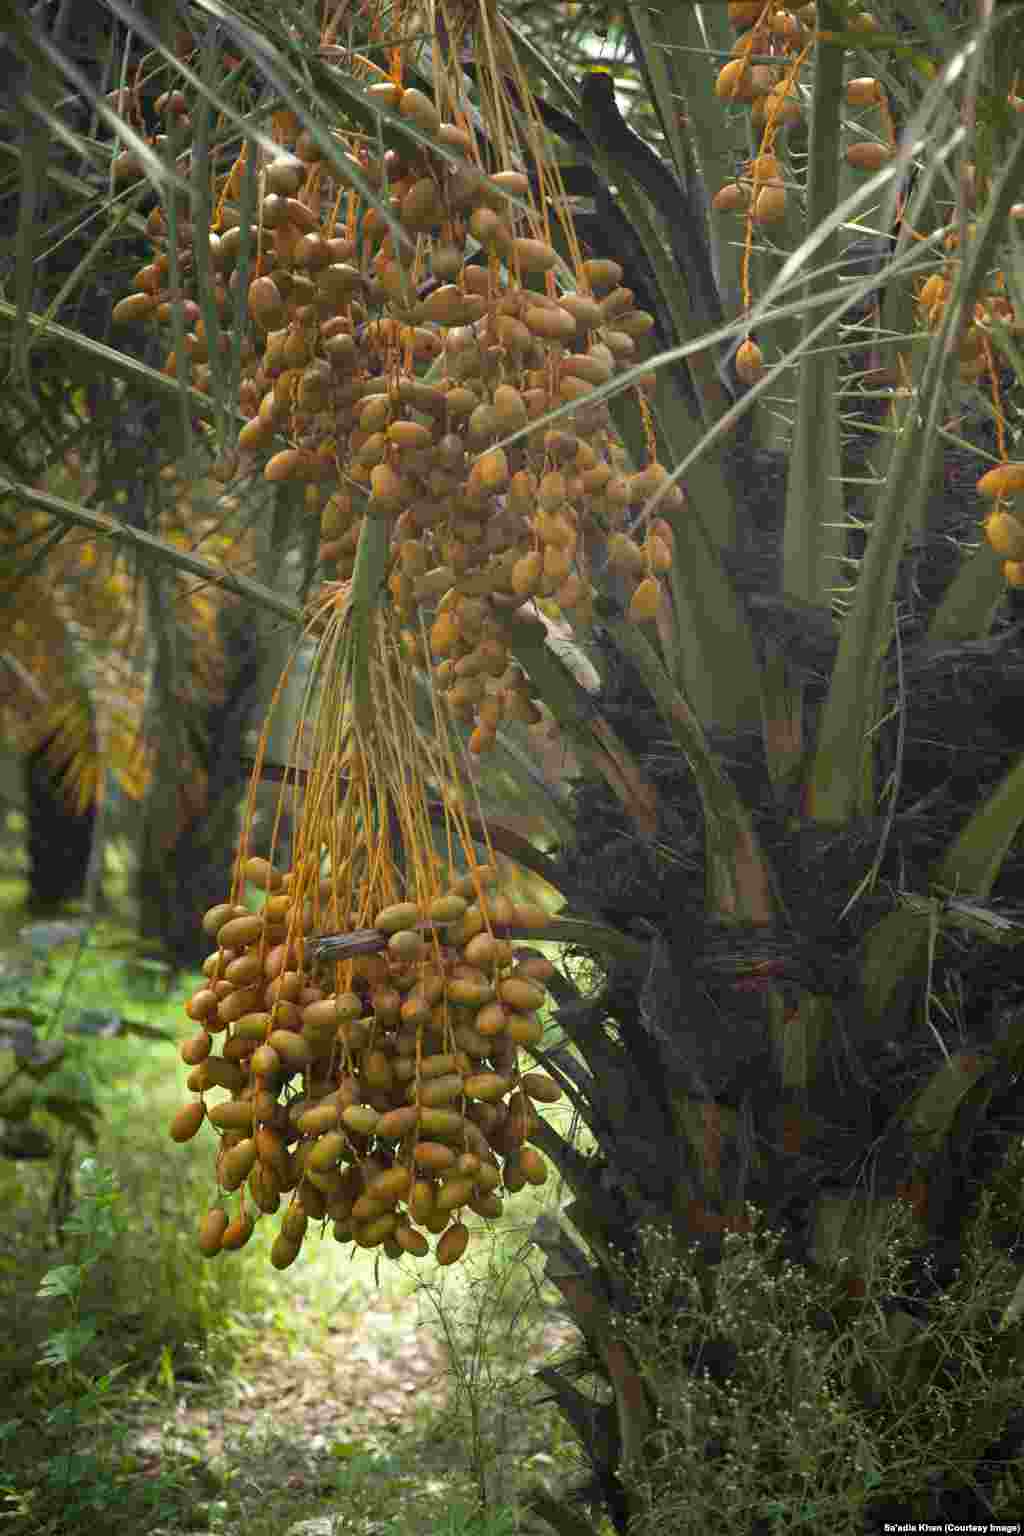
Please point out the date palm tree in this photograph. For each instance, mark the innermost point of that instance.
(791, 853)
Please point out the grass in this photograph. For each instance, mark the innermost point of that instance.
(208, 1396)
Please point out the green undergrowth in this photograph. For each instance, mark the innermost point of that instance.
(148, 1388)
(783, 1401)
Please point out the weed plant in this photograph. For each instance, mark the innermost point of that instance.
(491, 1322)
(784, 1405)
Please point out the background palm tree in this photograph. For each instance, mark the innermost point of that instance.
(120, 670)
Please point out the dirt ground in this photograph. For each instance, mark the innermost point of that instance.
(359, 1429)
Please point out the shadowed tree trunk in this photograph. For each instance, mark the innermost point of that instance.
(177, 883)
(59, 838)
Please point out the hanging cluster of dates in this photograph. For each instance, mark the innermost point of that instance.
(388, 1107)
(390, 346)
(385, 360)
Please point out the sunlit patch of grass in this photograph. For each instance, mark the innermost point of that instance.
(238, 1397)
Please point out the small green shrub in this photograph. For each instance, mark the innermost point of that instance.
(490, 1319)
(75, 1478)
(785, 1401)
